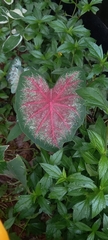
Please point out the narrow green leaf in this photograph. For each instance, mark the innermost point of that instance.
(8, 223)
(81, 210)
(102, 235)
(98, 204)
(47, 18)
(66, 47)
(91, 236)
(18, 169)
(37, 54)
(38, 191)
(14, 132)
(80, 30)
(24, 202)
(100, 128)
(96, 225)
(58, 26)
(52, 170)
(61, 208)
(57, 192)
(81, 181)
(89, 157)
(46, 183)
(94, 97)
(103, 166)
(56, 157)
(45, 205)
(105, 222)
(97, 141)
(83, 227)
(95, 50)
(3, 148)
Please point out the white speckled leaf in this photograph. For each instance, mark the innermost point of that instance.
(50, 117)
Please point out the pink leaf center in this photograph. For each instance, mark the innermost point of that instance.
(50, 114)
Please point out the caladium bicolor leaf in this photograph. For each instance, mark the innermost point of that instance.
(50, 117)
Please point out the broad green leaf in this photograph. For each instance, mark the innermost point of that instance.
(24, 202)
(56, 157)
(14, 133)
(103, 166)
(94, 97)
(81, 210)
(98, 204)
(18, 169)
(52, 170)
(57, 192)
(8, 223)
(97, 141)
(11, 42)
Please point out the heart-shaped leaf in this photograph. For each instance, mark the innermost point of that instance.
(50, 117)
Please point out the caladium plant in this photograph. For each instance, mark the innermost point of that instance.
(50, 116)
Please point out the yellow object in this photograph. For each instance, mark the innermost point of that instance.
(3, 232)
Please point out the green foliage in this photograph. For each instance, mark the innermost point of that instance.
(63, 195)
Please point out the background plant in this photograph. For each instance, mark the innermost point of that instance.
(63, 195)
